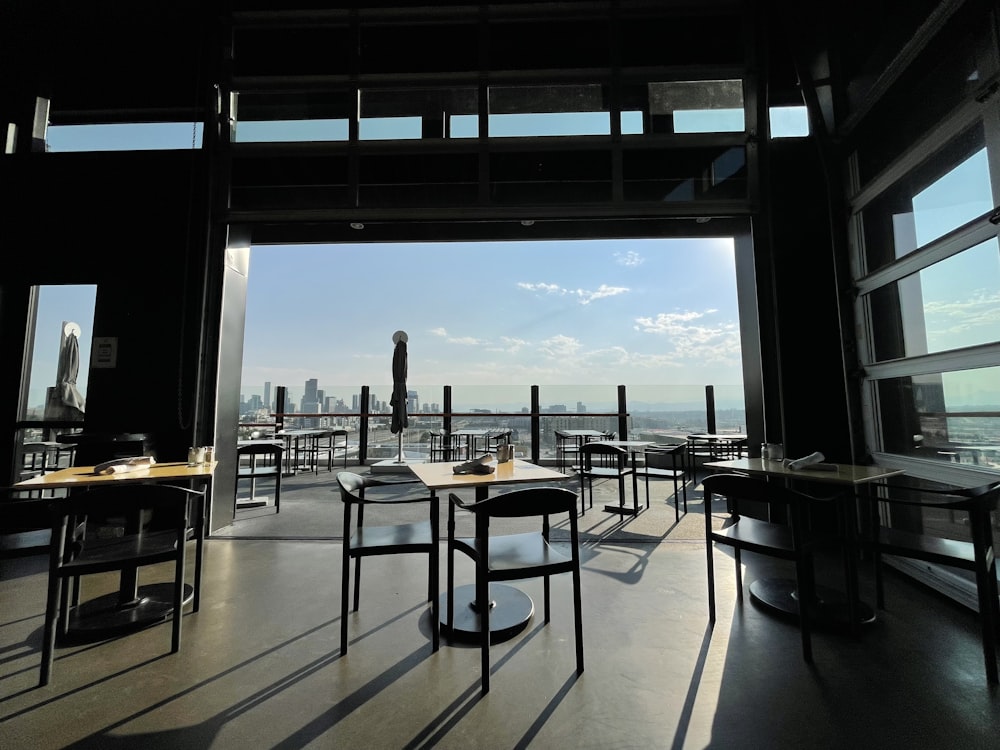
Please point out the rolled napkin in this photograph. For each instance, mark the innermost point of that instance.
(120, 465)
(813, 462)
(475, 466)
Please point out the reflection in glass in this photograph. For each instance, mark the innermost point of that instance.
(948, 305)
(946, 191)
(696, 106)
(951, 416)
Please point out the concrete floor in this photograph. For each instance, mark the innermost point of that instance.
(260, 667)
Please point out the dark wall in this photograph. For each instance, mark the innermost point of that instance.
(812, 389)
(122, 222)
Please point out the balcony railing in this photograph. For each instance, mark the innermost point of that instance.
(532, 429)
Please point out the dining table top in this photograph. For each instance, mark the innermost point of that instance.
(852, 474)
(82, 476)
(439, 475)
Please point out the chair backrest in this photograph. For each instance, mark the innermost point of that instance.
(615, 454)
(270, 451)
(984, 497)
(352, 489)
(736, 487)
(127, 498)
(663, 456)
(524, 503)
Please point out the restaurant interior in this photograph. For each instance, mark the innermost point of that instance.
(867, 271)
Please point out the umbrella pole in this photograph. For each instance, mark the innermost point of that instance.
(399, 450)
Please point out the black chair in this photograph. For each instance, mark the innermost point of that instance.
(515, 556)
(157, 519)
(420, 537)
(976, 555)
(446, 447)
(335, 440)
(255, 461)
(599, 461)
(25, 527)
(792, 540)
(663, 461)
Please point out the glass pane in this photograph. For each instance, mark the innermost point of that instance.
(951, 416)
(789, 122)
(56, 389)
(949, 305)
(132, 136)
(525, 111)
(411, 114)
(291, 131)
(292, 117)
(948, 190)
(697, 106)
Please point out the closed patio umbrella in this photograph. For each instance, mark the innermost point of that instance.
(398, 399)
(64, 401)
(69, 369)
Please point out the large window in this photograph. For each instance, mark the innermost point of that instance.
(927, 272)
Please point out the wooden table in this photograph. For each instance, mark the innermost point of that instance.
(511, 608)
(132, 605)
(779, 595)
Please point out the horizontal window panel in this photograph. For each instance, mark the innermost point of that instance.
(135, 136)
(291, 131)
(952, 304)
(945, 192)
(549, 124)
(948, 416)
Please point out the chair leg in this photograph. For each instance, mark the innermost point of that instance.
(345, 582)
(175, 639)
(546, 598)
(55, 591)
(739, 573)
(986, 588)
(710, 561)
(578, 617)
(804, 586)
(483, 604)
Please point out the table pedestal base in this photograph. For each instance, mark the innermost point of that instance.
(510, 611)
(104, 616)
(830, 607)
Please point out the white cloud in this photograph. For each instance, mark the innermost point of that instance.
(630, 259)
(705, 343)
(547, 288)
(560, 346)
(585, 296)
(438, 332)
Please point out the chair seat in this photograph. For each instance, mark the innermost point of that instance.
(245, 472)
(648, 471)
(929, 548)
(516, 553)
(392, 537)
(755, 535)
(140, 549)
(604, 472)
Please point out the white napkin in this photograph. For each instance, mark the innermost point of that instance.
(806, 462)
(119, 465)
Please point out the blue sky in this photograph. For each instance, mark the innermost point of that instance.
(654, 312)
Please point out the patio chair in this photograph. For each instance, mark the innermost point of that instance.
(416, 537)
(515, 556)
(975, 555)
(156, 524)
